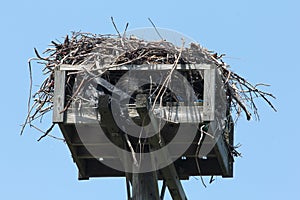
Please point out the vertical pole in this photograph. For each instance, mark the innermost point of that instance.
(128, 188)
(163, 190)
(169, 172)
(59, 96)
(144, 186)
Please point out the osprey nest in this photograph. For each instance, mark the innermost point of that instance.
(109, 51)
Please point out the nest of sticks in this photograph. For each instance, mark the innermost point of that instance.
(110, 51)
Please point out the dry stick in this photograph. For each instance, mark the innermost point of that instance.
(211, 179)
(267, 100)
(140, 143)
(252, 88)
(124, 33)
(57, 138)
(38, 55)
(112, 20)
(228, 77)
(267, 94)
(261, 84)
(135, 162)
(73, 96)
(49, 135)
(42, 110)
(47, 132)
(81, 40)
(236, 97)
(254, 108)
(127, 62)
(29, 99)
(37, 110)
(155, 29)
(33, 126)
(197, 154)
(27, 120)
(168, 78)
(38, 116)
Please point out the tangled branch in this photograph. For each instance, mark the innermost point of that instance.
(108, 51)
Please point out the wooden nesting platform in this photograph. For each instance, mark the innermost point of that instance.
(218, 161)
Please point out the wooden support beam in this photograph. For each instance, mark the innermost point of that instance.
(81, 164)
(218, 162)
(145, 186)
(209, 95)
(59, 96)
(139, 67)
(163, 190)
(222, 151)
(169, 172)
(128, 188)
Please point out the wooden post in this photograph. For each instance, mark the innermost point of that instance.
(144, 186)
(59, 96)
(169, 172)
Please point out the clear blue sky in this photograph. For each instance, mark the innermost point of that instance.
(261, 40)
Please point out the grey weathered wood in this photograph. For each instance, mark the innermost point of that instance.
(145, 186)
(209, 94)
(223, 153)
(163, 190)
(81, 164)
(209, 89)
(223, 156)
(139, 67)
(85, 161)
(66, 67)
(169, 172)
(179, 114)
(59, 96)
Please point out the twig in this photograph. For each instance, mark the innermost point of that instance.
(29, 97)
(197, 155)
(168, 78)
(49, 135)
(47, 132)
(73, 96)
(112, 20)
(135, 162)
(240, 103)
(105, 52)
(211, 179)
(155, 29)
(124, 33)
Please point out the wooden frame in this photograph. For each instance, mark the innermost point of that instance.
(218, 162)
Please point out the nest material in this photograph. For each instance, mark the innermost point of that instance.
(110, 51)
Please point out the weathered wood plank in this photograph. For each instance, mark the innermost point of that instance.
(81, 164)
(145, 186)
(59, 96)
(140, 67)
(169, 172)
(223, 156)
(209, 94)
